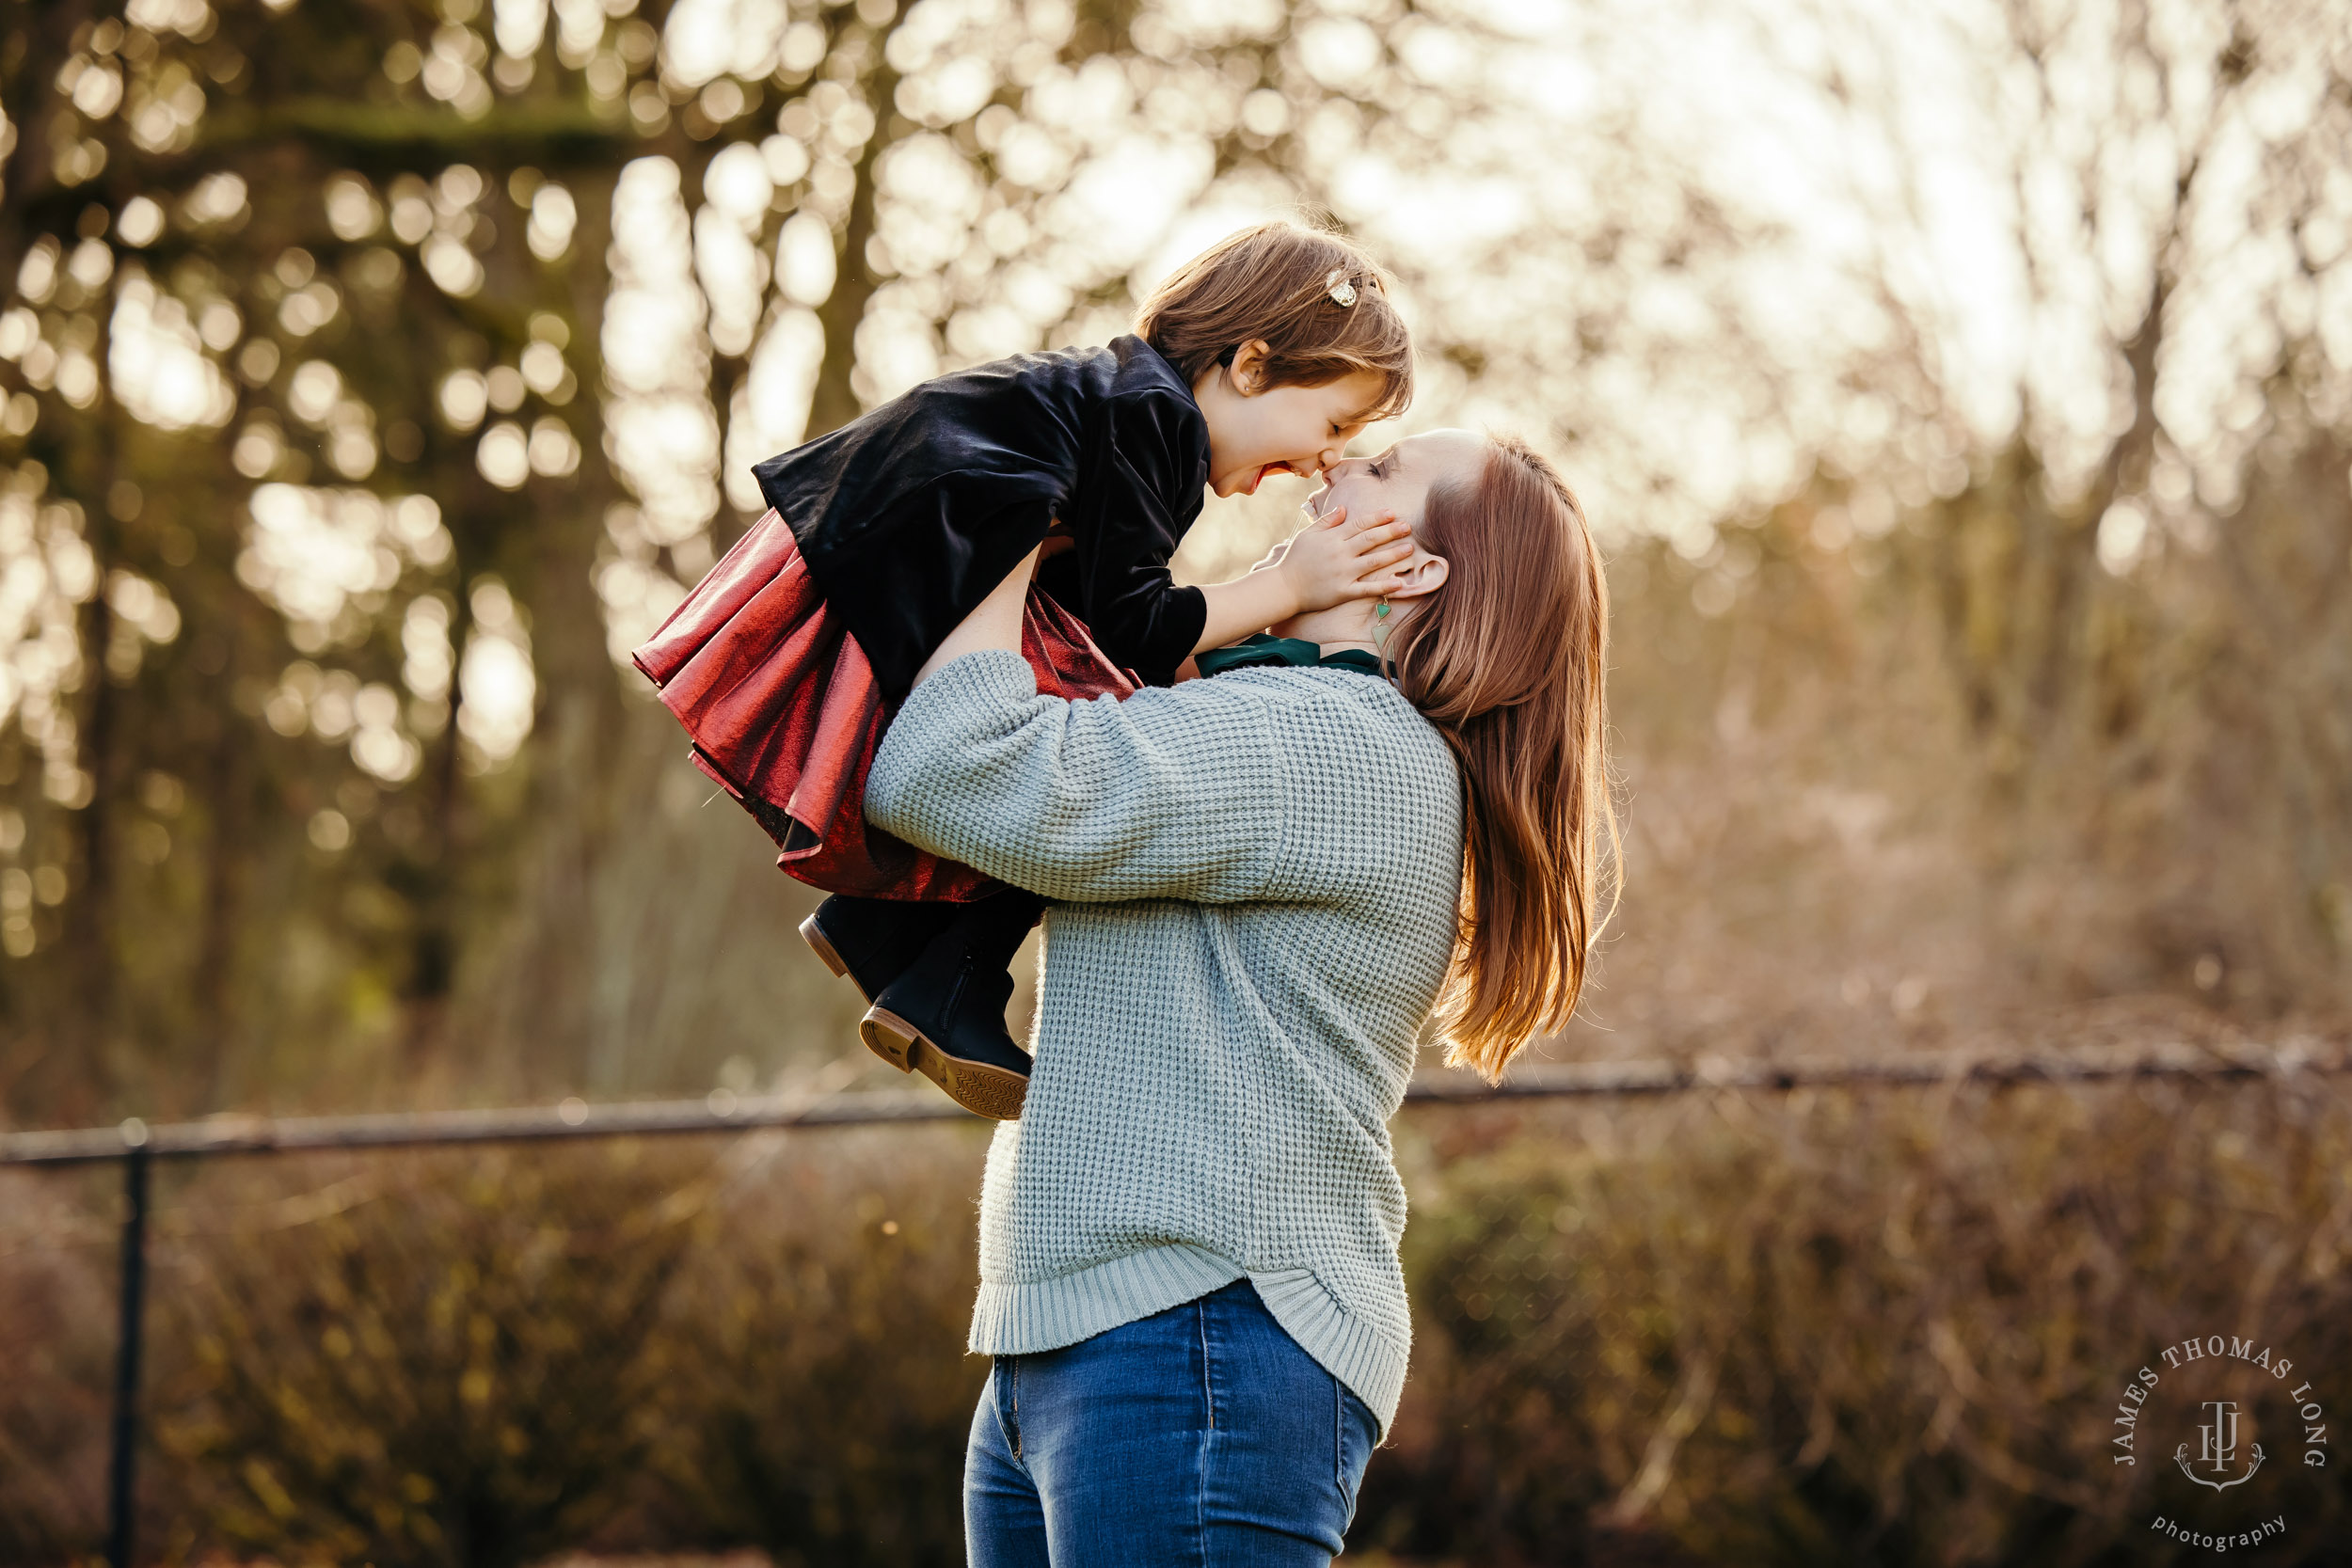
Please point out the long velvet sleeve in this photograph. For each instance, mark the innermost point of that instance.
(1156, 455)
(909, 514)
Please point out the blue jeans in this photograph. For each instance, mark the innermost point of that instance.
(1201, 1435)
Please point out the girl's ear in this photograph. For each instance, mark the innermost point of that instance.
(1247, 370)
(1421, 573)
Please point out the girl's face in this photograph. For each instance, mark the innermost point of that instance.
(1256, 430)
(1396, 483)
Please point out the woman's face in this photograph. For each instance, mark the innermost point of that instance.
(1396, 483)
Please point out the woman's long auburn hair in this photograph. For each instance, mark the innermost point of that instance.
(1509, 662)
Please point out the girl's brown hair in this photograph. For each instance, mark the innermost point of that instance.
(1508, 660)
(1318, 301)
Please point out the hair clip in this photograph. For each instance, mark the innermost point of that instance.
(1342, 292)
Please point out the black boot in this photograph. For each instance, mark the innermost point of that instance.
(945, 1017)
(872, 941)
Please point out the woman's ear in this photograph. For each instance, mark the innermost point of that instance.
(1247, 371)
(1423, 573)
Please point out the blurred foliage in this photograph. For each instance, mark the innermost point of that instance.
(56, 1301)
(374, 374)
(1881, 1328)
(1852, 1328)
(368, 381)
(821, 1413)
(1885, 791)
(455, 1370)
(484, 1358)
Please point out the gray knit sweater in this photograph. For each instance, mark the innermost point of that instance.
(1258, 875)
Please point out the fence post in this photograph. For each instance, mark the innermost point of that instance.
(122, 1489)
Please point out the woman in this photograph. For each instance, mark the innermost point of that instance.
(1265, 882)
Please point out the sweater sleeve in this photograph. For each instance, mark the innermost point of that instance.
(1135, 515)
(1172, 794)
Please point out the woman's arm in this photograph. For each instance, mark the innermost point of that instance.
(1172, 794)
(995, 624)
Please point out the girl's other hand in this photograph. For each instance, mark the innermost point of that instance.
(1335, 561)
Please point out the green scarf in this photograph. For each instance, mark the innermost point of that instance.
(1259, 649)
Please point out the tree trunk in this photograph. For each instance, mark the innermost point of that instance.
(835, 402)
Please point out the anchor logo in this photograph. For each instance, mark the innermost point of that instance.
(2219, 1447)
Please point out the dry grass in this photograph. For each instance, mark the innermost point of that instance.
(1852, 1328)
(1880, 1327)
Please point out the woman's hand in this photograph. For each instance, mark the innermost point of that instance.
(1331, 562)
(994, 624)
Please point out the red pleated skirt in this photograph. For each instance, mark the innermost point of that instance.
(785, 714)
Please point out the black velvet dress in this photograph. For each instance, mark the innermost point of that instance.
(910, 515)
(787, 660)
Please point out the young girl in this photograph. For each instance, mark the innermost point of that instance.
(1267, 354)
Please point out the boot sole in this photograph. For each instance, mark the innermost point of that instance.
(983, 1090)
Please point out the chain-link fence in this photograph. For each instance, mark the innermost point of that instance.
(1687, 1303)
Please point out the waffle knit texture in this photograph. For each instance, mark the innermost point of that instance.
(1256, 878)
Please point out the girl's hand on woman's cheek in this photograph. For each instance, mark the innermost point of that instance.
(1335, 561)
